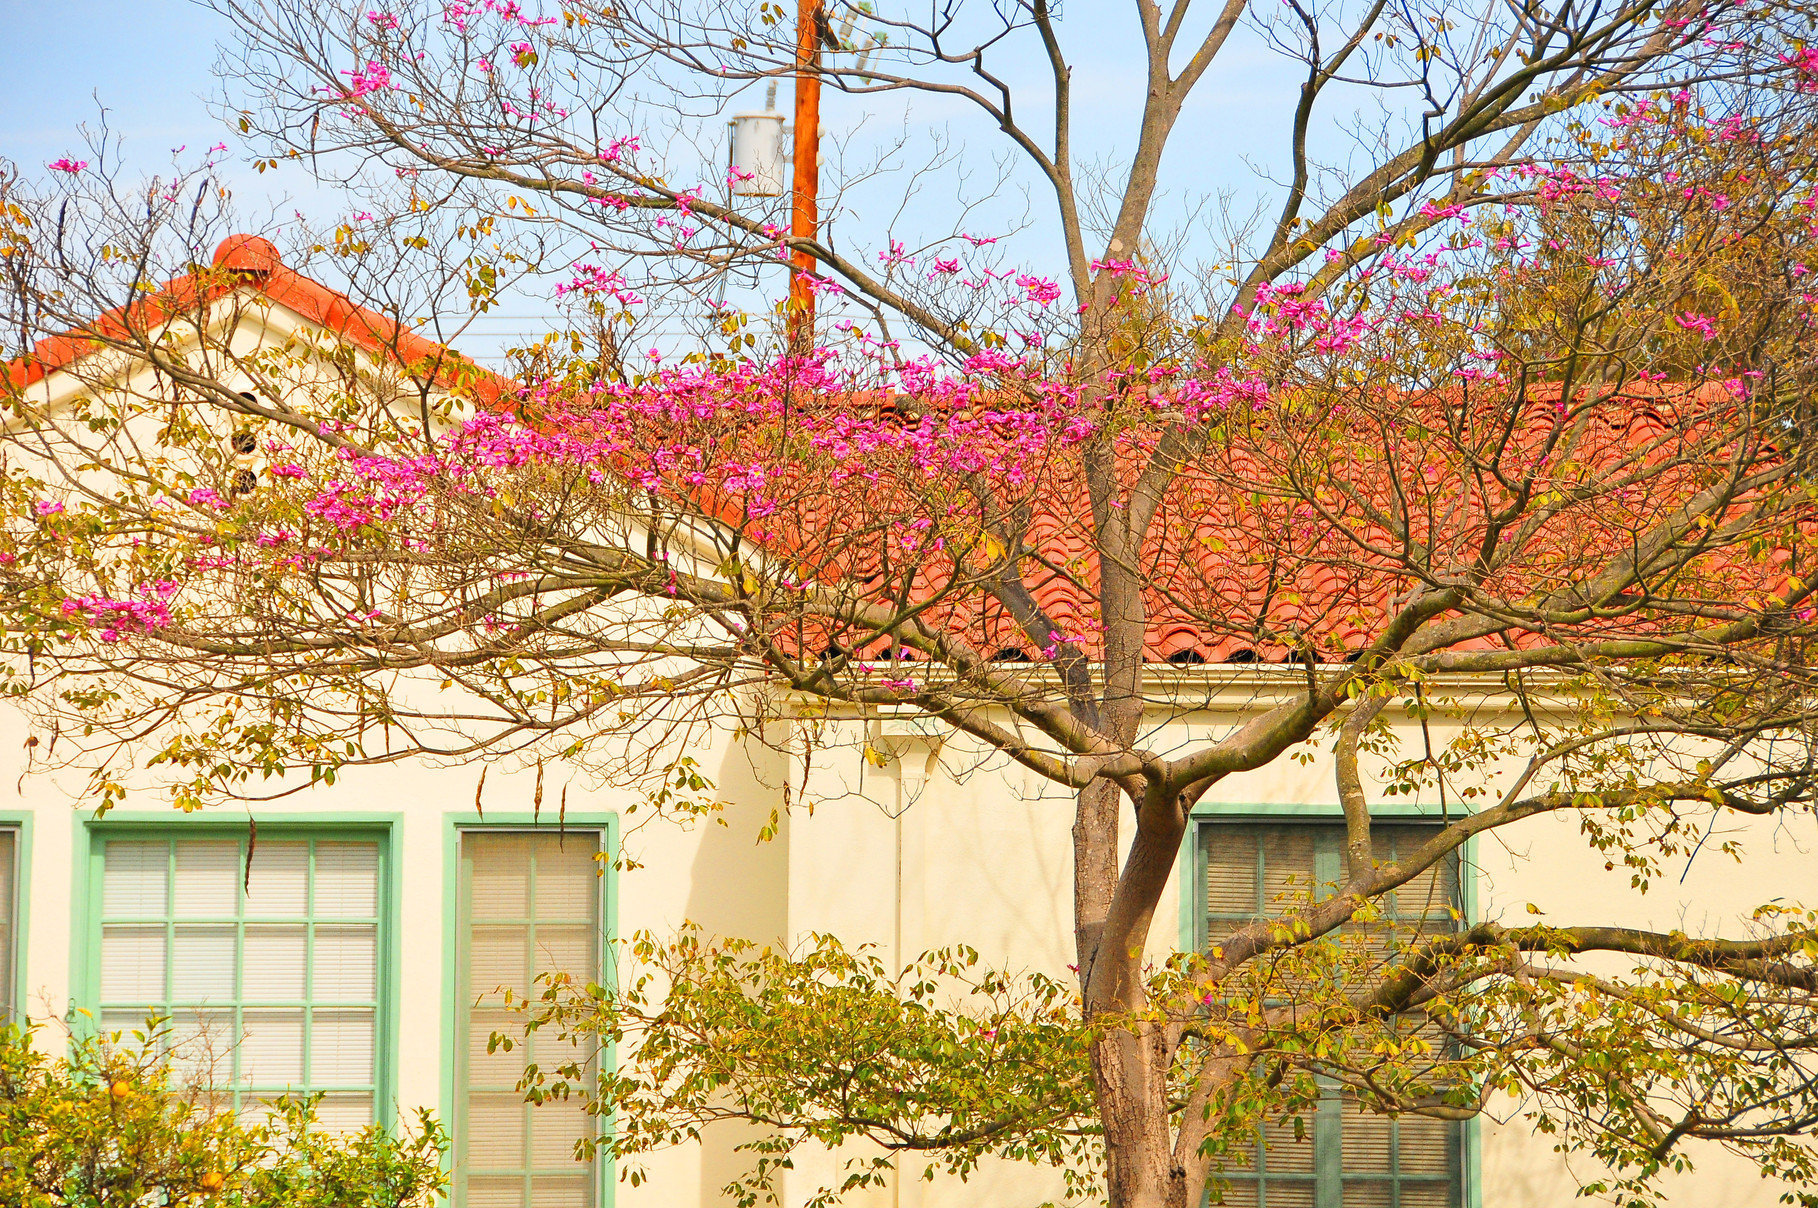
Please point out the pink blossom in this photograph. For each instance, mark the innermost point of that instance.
(1040, 290)
(1435, 211)
(47, 507)
(67, 164)
(374, 78)
(627, 145)
(590, 280)
(1805, 65)
(1704, 325)
(114, 618)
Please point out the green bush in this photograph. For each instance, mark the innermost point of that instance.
(111, 1126)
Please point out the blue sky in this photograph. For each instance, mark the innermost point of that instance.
(148, 63)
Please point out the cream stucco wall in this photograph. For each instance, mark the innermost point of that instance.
(942, 846)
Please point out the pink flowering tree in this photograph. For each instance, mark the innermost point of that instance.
(543, 117)
(1500, 408)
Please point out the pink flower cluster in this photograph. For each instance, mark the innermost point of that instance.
(374, 77)
(618, 148)
(116, 618)
(1041, 291)
(1281, 310)
(590, 280)
(1805, 67)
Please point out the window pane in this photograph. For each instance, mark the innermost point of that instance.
(1284, 1153)
(9, 954)
(568, 879)
(135, 879)
(202, 1046)
(499, 880)
(561, 1191)
(498, 959)
(202, 964)
(495, 1130)
(1236, 1195)
(566, 948)
(208, 878)
(495, 1192)
(132, 965)
(276, 955)
(347, 960)
(529, 905)
(556, 1126)
(501, 1068)
(344, 1113)
(1231, 870)
(1287, 866)
(340, 1050)
(347, 880)
(277, 883)
(1365, 1140)
(1426, 1145)
(1360, 1194)
(271, 1052)
(1297, 1194)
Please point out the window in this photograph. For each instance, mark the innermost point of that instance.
(530, 904)
(268, 974)
(1348, 1157)
(9, 928)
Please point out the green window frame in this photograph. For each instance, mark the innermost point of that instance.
(528, 900)
(1345, 1157)
(270, 956)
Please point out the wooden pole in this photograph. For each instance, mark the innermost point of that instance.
(804, 214)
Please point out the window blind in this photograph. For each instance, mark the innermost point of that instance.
(1347, 1157)
(268, 975)
(9, 910)
(530, 904)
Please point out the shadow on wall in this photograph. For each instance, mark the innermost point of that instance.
(1520, 1170)
(739, 886)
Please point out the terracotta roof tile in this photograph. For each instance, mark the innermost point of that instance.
(252, 262)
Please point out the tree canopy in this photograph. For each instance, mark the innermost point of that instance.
(1535, 413)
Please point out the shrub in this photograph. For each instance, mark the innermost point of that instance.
(112, 1125)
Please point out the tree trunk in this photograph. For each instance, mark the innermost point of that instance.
(1129, 1075)
(1094, 869)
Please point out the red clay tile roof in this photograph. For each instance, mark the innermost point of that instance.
(1236, 569)
(252, 261)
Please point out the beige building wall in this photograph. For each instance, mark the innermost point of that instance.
(947, 844)
(944, 845)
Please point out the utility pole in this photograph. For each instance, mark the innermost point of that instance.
(804, 213)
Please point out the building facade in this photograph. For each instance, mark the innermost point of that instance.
(353, 938)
